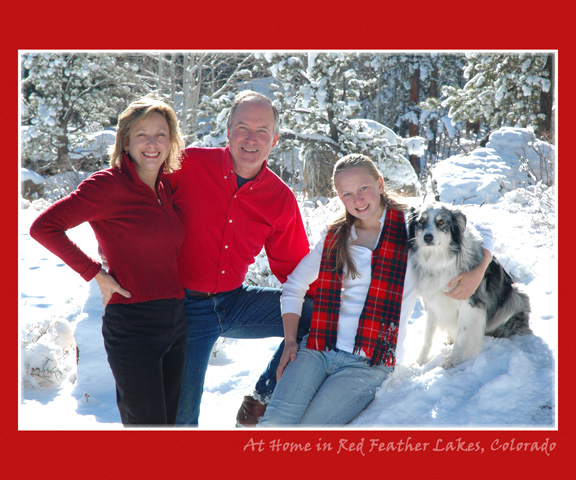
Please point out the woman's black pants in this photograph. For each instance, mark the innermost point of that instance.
(146, 347)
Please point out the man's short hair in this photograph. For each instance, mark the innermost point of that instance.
(250, 96)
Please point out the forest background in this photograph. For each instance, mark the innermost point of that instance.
(331, 104)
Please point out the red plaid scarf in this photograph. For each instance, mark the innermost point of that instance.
(377, 333)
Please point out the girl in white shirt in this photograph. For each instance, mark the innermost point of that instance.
(366, 291)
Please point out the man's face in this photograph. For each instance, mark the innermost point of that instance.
(251, 136)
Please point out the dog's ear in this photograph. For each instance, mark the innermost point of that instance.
(458, 226)
(460, 219)
(458, 216)
(411, 215)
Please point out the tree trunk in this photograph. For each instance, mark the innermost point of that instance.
(186, 91)
(317, 169)
(173, 60)
(192, 125)
(161, 73)
(413, 129)
(433, 93)
(63, 154)
(546, 126)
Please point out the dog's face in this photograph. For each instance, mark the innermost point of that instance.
(435, 225)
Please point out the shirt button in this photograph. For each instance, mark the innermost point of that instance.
(225, 246)
(223, 272)
(225, 177)
(230, 221)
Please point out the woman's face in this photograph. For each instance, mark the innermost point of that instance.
(360, 193)
(148, 144)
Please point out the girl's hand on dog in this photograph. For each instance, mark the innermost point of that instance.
(465, 284)
(109, 286)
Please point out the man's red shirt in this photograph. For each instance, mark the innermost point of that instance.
(226, 227)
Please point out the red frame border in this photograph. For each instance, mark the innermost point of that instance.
(296, 26)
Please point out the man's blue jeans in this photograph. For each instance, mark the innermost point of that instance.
(246, 312)
(323, 388)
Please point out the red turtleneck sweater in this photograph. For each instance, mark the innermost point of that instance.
(139, 236)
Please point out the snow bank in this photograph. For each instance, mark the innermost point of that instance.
(512, 159)
(29, 175)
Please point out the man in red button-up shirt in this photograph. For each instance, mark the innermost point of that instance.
(232, 205)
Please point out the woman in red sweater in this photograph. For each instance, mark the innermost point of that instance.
(129, 207)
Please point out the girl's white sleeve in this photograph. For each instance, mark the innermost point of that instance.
(298, 282)
(486, 232)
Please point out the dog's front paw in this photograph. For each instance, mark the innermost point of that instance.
(450, 362)
(421, 360)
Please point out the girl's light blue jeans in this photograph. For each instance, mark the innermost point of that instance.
(323, 388)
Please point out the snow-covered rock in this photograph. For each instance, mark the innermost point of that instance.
(513, 158)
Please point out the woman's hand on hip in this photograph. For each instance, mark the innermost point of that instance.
(109, 286)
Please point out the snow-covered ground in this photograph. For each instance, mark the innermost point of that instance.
(511, 384)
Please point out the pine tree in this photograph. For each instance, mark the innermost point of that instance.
(224, 76)
(320, 101)
(400, 76)
(65, 97)
(502, 89)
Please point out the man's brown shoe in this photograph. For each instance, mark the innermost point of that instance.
(250, 413)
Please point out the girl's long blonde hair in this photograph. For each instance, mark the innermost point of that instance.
(342, 226)
(140, 110)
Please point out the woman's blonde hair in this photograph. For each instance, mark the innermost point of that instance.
(139, 110)
(342, 226)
